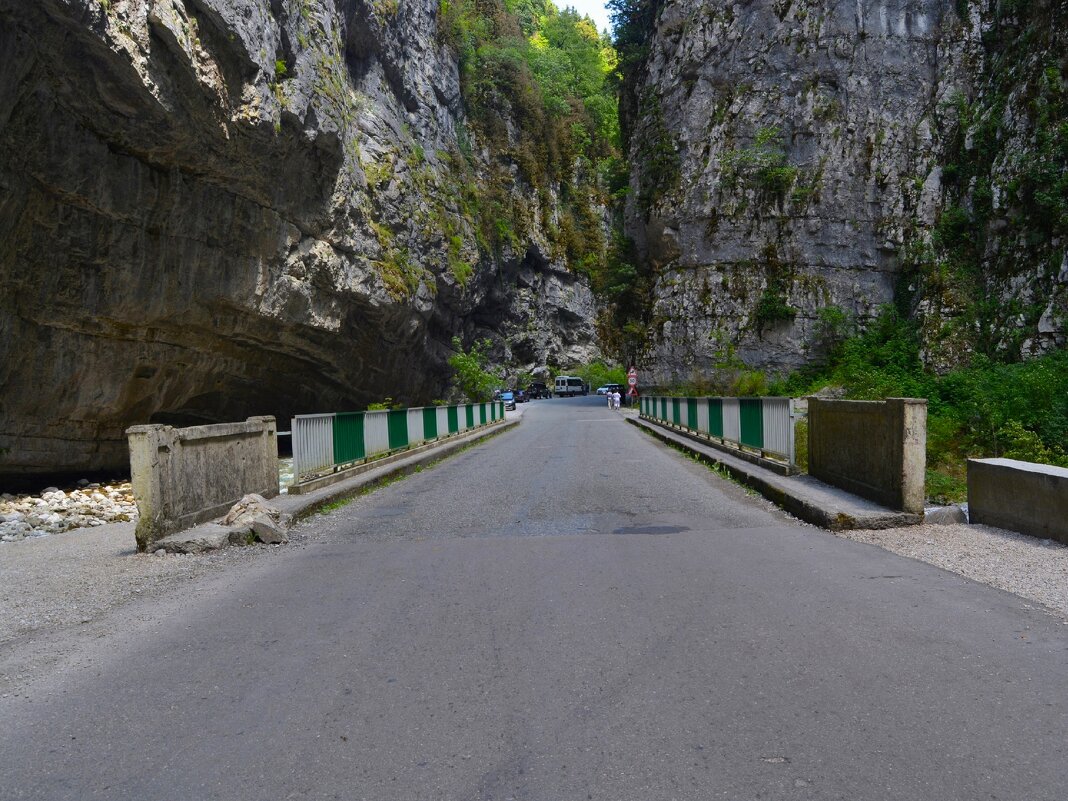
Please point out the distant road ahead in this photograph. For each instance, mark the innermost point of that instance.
(568, 611)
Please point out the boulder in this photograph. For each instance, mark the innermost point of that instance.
(254, 515)
(267, 530)
(207, 537)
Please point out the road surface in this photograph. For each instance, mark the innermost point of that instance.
(567, 611)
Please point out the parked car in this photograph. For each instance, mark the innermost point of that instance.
(538, 389)
(608, 389)
(509, 400)
(520, 396)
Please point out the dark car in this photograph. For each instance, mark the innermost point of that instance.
(520, 396)
(509, 401)
(537, 389)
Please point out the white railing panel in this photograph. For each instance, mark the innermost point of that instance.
(732, 424)
(702, 415)
(442, 415)
(778, 426)
(313, 443)
(376, 432)
(415, 427)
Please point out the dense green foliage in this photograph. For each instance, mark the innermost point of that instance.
(599, 373)
(553, 75)
(534, 80)
(987, 408)
(470, 374)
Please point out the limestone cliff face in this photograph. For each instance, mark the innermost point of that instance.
(217, 208)
(788, 159)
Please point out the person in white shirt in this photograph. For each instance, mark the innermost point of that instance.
(615, 399)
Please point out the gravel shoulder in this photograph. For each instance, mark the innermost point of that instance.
(1026, 566)
(76, 576)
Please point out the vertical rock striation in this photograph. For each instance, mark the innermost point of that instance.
(789, 162)
(216, 208)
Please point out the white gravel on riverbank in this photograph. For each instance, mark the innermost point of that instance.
(56, 510)
(1033, 568)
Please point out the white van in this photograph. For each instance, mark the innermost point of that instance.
(569, 385)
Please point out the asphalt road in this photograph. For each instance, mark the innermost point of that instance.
(568, 611)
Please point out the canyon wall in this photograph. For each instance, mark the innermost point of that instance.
(211, 209)
(799, 164)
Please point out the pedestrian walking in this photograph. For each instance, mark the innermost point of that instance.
(615, 399)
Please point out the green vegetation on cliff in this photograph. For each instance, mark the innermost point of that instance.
(542, 88)
(984, 409)
(1005, 207)
(534, 80)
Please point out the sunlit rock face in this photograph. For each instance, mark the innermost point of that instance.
(789, 161)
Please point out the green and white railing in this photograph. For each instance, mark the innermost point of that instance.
(765, 425)
(324, 443)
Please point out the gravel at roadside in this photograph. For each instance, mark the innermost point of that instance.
(75, 576)
(1033, 568)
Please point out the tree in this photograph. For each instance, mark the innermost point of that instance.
(471, 376)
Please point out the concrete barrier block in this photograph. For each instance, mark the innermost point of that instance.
(185, 476)
(1020, 496)
(874, 449)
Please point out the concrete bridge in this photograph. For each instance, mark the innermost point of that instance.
(568, 610)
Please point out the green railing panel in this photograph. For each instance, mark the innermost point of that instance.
(482, 413)
(715, 417)
(430, 422)
(470, 412)
(454, 420)
(349, 444)
(398, 429)
(676, 411)
(751, 422)
(493, 411)
(691, 413)
(663, 408)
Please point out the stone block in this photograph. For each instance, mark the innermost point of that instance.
(945, 516)
(1021, 496)
(199, 539)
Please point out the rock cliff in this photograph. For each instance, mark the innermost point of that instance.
(801, 162)
(217, 208)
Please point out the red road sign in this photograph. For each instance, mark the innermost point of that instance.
(632, 392)
(632, 380)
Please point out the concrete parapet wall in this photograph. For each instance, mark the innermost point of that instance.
(1020, 496)
(185, 476)
(874, 449)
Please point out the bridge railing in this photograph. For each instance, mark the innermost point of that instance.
(325, 443)
(765, 425)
